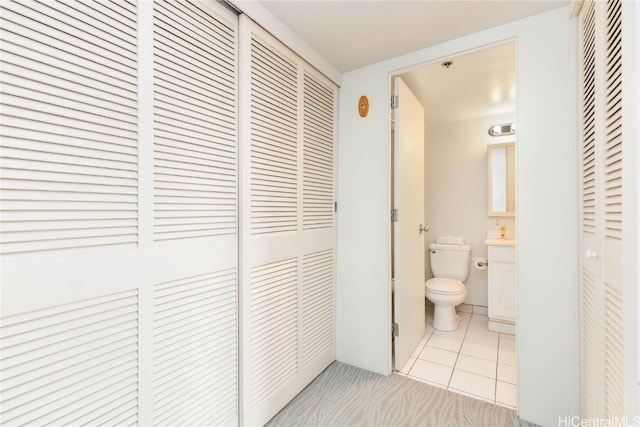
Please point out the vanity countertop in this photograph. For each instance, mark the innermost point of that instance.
(500, 242)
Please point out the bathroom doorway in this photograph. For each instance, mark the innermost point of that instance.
(463, 96)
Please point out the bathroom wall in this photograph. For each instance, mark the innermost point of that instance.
(456, 190)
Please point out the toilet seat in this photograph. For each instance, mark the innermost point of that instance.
(443, 286)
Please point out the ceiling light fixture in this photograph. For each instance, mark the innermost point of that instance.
(502, 130)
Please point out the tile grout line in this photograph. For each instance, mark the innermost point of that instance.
(467, 329)
(459, 350)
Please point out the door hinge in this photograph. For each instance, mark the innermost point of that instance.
(335, 207)
(395, 329)
(394, 102)
(394, 215)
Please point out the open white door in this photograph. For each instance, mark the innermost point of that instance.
(408, 310)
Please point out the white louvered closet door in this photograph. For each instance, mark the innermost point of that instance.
(591, 217)
(607, 373)
(288, 226)
(119, 213)
(195, 274)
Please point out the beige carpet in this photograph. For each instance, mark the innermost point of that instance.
(347, 396)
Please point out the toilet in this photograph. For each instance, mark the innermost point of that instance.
(450, 261)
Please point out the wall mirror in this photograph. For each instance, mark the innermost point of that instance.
(501, 160)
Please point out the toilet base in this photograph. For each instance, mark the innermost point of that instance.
(445, 318)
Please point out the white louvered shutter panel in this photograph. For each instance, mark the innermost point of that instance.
(195, 356)
(53, 374)
(590, 216)
(119, 236)
(69, 127)
(288, 188)
(195, 122)
(607, 370)
(318, 153)
(613, 227)
(195, 166)
(274, 140)
(69, 180)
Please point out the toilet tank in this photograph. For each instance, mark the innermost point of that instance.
(450, 260)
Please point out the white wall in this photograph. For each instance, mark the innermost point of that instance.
(456, 187)
(546, 212)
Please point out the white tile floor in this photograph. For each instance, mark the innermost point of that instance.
(470, 360)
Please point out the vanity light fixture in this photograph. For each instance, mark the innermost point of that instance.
(502, 130)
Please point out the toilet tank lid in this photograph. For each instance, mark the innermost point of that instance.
(449, 247)
(450, 240)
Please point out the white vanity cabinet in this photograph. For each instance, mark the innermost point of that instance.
(502, 286)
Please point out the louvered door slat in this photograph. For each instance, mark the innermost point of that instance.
(112, 15)
(588, 122)
(274, 158)
(196, 23)
(318, 181)
(274, 319)
(613, 123)
(83, 21)
(195, 116)
(590, 338)
(195, 357)
(15, 85)
(69, 129)
(59, 365)
(61, 19)
(184, 81)
(318, 302)
(614, 352)
(172, 52)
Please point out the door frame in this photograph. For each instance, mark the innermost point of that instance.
(391, 247)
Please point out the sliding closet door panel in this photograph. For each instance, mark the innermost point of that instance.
(607, 369)
(615, 345)
(287, 225)
(590, 214)
(318, 218)
(119, 227)
(195, 303)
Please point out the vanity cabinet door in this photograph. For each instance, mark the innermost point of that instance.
(502, 284)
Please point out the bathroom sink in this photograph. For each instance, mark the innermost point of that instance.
(500, 242)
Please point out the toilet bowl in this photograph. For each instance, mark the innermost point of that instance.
(450, 261)
(445, 294)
